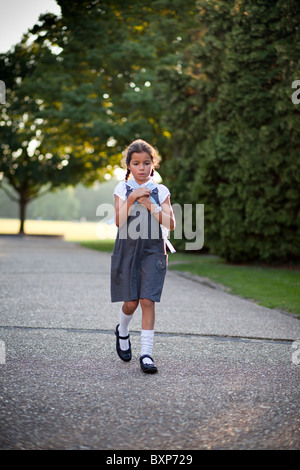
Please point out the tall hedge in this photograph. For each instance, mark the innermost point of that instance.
(235, 132)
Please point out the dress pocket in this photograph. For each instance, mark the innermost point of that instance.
(161, 261)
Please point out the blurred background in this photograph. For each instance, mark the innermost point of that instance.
(208, 83)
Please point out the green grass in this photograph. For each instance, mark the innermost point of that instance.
(100, 245)
(270, 287)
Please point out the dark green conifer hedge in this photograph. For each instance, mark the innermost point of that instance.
(235, 144)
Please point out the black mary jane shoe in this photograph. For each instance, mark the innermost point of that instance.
(124, 355)
(147, 368)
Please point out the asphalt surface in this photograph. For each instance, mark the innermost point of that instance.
(228, 369)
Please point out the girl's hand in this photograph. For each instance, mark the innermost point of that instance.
(141, 192)
(145, 201)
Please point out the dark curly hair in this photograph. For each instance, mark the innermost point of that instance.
(139, 146)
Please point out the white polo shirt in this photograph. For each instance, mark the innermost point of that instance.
(163, 192)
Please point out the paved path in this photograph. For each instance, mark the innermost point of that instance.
(226, 377)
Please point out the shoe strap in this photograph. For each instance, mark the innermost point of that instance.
(124, 337)
(121, 337)
(146, 355)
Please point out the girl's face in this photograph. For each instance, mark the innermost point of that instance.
(140, 166)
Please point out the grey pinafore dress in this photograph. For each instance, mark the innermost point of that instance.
(139, 259)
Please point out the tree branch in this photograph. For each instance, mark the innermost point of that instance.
(42, 193)
(8, 193)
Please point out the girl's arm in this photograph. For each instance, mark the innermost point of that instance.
(165, 216)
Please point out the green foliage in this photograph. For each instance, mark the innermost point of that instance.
(101, 89)
(84, 88)
(235, 131)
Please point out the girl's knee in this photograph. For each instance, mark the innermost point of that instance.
(130, 306)
(146, 303)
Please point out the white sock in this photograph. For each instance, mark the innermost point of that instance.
(147, 337)
(123, 329)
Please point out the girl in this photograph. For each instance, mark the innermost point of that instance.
(138, 264)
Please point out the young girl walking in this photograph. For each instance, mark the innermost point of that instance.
(143, 215)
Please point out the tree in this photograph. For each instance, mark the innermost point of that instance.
(31, 163)
(107, 68)
(238, 143)
(86, 87)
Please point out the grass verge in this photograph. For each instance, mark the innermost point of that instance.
(271, 287)
(100, 245)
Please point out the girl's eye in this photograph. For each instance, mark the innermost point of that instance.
(137, 163)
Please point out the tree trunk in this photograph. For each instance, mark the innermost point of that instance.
(23, 204)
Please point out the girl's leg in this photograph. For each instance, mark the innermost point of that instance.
(147, 334)
(148, 314)
(130, 307)
(126, 314)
